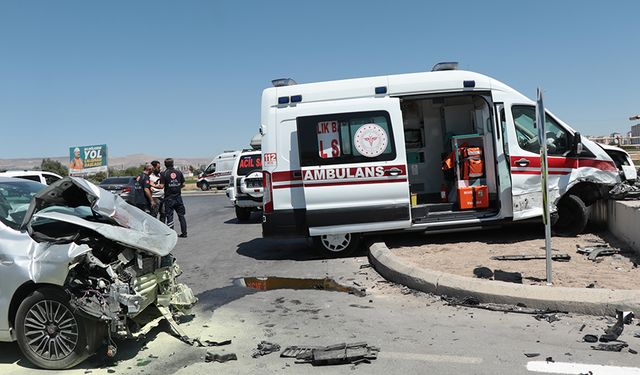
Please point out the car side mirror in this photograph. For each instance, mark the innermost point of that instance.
(577, 144)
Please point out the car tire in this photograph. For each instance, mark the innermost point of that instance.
(337, 245)
(71, 338)
(204, 186)
(573, 216)
(242, 213)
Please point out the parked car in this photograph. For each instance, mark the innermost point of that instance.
(122, 186)
(80, 266)
(245, 184)
(43, 177)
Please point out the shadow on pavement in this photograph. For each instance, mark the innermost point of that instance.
(264, 249)
(253, 219)
(212, 299)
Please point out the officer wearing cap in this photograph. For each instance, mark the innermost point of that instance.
(173, 182)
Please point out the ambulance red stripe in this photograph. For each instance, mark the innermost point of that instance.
(559, 162)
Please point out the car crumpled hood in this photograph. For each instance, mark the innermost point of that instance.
(129, 225)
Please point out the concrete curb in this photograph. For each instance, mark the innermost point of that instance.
(578, 300)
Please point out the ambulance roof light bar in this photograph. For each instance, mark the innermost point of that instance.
(447, 65)
(283, 82)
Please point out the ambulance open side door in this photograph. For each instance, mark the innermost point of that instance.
(353, 165)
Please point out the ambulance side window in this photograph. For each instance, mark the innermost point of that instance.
(527, 134)
(342, 138)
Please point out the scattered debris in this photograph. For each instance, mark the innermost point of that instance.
(596, 251)
(633, 351)
(519, 309)
(547, 316)
(509, 277)
(627, 317)
(265, 348)
(483, 273)
(556, 257)
(360, 306)
(590, 338)
(531, 355)
(549, 359)
(355, 354)
(592, 285)
(613, 332)
(636, 334)
(197, 343)
(365, 266)
(610, 347)
(582, 327)
(214, 357)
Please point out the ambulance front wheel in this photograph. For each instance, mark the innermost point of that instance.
(573, 216)
(332, 245)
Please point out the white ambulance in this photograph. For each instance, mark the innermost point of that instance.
(218, 172)
(434, 151)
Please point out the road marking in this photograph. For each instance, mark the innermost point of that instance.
(430, 357)
(579, 368)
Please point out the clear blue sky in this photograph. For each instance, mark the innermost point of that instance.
(184, 78)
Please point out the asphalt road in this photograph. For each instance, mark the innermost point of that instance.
(416, 333)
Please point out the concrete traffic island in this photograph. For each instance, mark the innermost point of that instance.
(577, 300)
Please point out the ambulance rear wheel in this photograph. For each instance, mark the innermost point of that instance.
(336, 245)
(243, 214)
(573, 216)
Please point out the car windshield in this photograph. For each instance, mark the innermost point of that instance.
(249, 163)
(15, 197)
(115, 180)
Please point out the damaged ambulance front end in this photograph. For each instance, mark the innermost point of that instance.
(95, 268)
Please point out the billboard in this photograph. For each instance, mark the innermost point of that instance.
(86, 160)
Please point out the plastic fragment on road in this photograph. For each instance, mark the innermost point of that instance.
(556, 257)
(355, 353)
(597, 251)
(221, 358)
(617, 347)
(518, 309)
(265, 348)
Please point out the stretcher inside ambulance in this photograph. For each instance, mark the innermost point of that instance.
(437, 151)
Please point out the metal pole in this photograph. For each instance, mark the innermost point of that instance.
(546, 216)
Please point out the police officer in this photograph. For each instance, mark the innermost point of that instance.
(173, 182)
(142, 190)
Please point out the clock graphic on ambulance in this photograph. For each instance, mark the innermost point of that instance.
(371, 140)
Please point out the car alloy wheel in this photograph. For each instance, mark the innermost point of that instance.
(51, 329)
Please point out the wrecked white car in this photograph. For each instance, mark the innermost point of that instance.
(81, 267)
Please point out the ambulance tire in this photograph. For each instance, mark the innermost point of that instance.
(205, 186)
(242, 213)
(573, 216)
(337, 245)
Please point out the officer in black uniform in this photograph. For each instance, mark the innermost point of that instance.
(173, 182)
(142, 190)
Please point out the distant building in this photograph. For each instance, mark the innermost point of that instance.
(635, 133)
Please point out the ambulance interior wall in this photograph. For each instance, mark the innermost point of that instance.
(440, 119)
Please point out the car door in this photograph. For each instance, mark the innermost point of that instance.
(524, 158)
(353, 166)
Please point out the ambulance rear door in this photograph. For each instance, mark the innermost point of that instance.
(353, 166)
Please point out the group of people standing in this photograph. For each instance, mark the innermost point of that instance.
(159, 193)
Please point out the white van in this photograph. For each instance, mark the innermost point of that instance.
(434, 151)
(245, 185)
(217, 173)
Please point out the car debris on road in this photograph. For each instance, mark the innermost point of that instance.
(556, 257)
(596, 251)
(354, 353)
(265, 348)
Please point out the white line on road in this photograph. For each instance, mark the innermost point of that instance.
(430, 357)
(579, 368)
